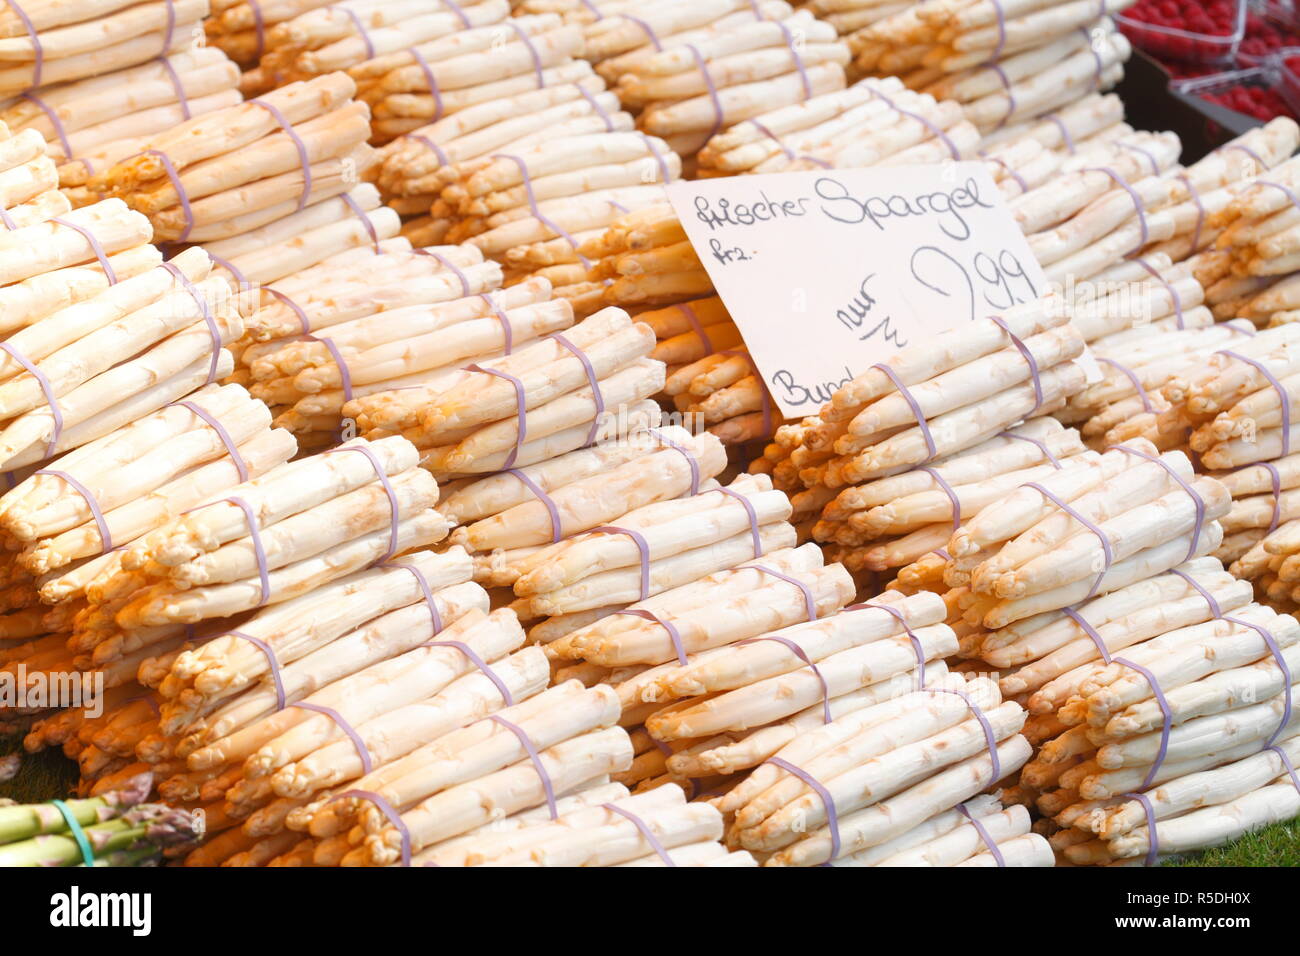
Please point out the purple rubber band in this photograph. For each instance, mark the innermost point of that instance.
(6, 221)
(932, 450)
(478, 662)
(590, 371)
(789, 153)
(942, 553)
(361, 29)
(298, 144)
(1145, 153)
(394, 818)
(1291, 196)
(506, 330)
(673, 634)
(649, 30)
(345, 374)
(239, 276)
(1020, 180)
(1165, 709)
(95, 247)
(272, 661)
(686, 452)
(1276, 651)
(425, 590)
(105, 539)
(809, 602)
(1023, 349)
(935, 130)
(46, 389)
(984, 836)
(645, 832)
(1195, 195)
(907, 629)
(521, 410)
(241, 467)
(294, 307)
(535, 757)
(1197, 501)
(685, 309)
(1137, 205)
(800, 653)
(448, 264)
(526, 40)
(832, 817)
(794, 56)
(659, 160)
(990, 738)
(1153, 841)
(596, 107)
(756, 10)
(53, 117)
(1241, 148)
(753, 518)
(1276, 480)
(544, 498)
(171, 27)
(429, 78)
(1106, 550)
(762, 386)
(1002, 30)
(1064, 130)
(947, 490)
(643, 549)
(365, 220)
(205, 312)
(456, 9)
(1133, 380)
(1041, 445)
(1283, 397)
(1286, 762)
(362, 751)
(182, 197)
(1215, 610)
(718, 114)
(264, 577)
(1007, 88)
(593, 9)
(537, 212)
(394, 510)
(177, 86)
(1091, 631)
(1169, 287)
(431, 145)
(38, 51)
(259, 26)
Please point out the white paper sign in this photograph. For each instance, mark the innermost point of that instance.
(828, 273)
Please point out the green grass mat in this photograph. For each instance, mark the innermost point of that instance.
(43, 776)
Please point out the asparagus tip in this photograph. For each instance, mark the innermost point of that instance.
(9, 767)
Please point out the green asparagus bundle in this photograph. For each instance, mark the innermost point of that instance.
(114, 829)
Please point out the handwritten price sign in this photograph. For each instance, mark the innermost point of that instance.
(828, 273)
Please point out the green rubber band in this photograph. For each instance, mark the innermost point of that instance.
(78, 834)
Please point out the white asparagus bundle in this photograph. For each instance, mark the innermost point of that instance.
(858, 126)
(325, 38)
(101, 119)
(159, 465)
(70, 44)
(249, 171)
